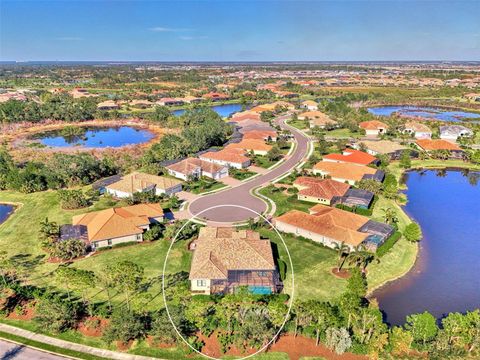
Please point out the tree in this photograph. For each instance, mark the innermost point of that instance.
(78, 279)
(68, 249)
(405, 161)
(255, 330)
(162, 329)
(72, 199)
(55, 314)
(413, 232)
(423, 327)
(389, 215)
(274, 153)
(357, 284)
(124, 326)
(128, 277)
(48, 233)
(341, 250)
(154, 233)
(338, 340)
(371, 185)
(400, 340)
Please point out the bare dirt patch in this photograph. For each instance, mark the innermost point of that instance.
(92, 326)
(342, 274)
(25, 311)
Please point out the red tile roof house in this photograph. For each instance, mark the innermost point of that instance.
(213, 96)
(374, 127)
(258, 147)
(429, 145)
(265, 135)
(170, 102)
(140, 182)
(234, 158)
(323, 191)
(225, 259)
(330, 226)
(194, 168)
(352, 156)
(246, 115)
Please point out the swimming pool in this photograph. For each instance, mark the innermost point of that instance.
(260, 290)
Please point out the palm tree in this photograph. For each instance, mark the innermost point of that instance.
(341, 250)
(389, 215)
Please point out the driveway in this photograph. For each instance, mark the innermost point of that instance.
(241, 194)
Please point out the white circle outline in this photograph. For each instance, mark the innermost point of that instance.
(292, 272)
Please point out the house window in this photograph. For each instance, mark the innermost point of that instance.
(109, 242)
(201, 283)
(262, 273)
(139, 237)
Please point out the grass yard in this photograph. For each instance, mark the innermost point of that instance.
(283, 201)
(299, 124)
(263, 162)
(343, 134)
(241, 174)
(204, 185)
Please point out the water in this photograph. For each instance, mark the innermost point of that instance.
(260, 290)
(426, 112)
(5, 211)
(446, 277)
(224, 110)
(97, 137)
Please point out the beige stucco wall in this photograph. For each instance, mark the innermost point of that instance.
(313, 199)
(196, 288)
(118, 240)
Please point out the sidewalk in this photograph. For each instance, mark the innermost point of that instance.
(69, 345)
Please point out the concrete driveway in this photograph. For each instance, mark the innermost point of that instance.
(241, 195)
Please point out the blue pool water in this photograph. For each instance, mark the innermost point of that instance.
(260, 290)
(446, 275)
(5, 211)
(426, 112)
(98, 137)
(224, 110)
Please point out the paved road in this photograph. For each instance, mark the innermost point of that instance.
(240, 195)
(12, 351)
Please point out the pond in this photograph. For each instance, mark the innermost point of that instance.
(94, 137)
(425, 112)
(5, 211)
(446, 275)
(224, 110)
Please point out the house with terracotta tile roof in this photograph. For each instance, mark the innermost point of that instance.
(317, 190)
(215, 96)
(264, 135)
(346, 172)
(309, 105)
(373, 127)
(194, 168)
(245, 115)
(417, 130)
(330, 226)
(258, 147)
(232, 157)
(170, 101)
(352, 156)
(432, 145)
(317, 118)
(225, 259)
(117, 225)
(140, 182)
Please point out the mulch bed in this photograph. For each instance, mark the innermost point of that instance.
(342, 274)
(124, 346)
(27, 312)
(84, 328)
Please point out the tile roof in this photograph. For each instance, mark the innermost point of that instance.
(190, 165)
(383, 146)
(344, 170)
(259, 134)
(250, 144)
(234, 155)
(352, 156)
(436, 144)
(330, 222)
(317, 118)
(136, 181)
(219, 250)
(117, 222)
(322, 188)
(418, 127)
(372, 125)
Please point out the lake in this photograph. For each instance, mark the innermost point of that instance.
(446, 277)
(426, 112)
(99, 137)
(224, 110)
(5, 211)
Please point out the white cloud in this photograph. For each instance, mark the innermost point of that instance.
(167, 29)
(187, 38)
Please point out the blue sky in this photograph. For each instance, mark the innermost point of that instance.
(239, 30)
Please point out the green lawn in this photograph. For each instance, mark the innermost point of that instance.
(241, 174)
(283, 201)
(263, 162)
(299, 124)
(343, 134)
(205, 185)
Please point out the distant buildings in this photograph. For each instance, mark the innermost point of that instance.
(317, 118)
(309, 105)
(417, 130)
(194, 168)
(382, 147)
(373, 128)
(453, 132)
(233, 157)
(347, 172)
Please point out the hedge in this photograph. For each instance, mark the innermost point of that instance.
(387, 245)
(356, 210)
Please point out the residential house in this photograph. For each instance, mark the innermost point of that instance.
(78, 93)
(141, 104)
(346, 172)
(246, 115)
(352, 156)
(323, 191)
(113, 226)
(258, 147)
(108, 105)
(170, 101)
(382, 147)
(309, 105)
(432, 145)
(192, 99)
(265, 135)
(373, 127)
(417, 130)
(225, 259)
(214, 96)
(194, 168)
(331, 226)
(232, 157)
(317, 118)
(140, 182)
(453, 132)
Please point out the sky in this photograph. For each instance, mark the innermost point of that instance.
(104, 30)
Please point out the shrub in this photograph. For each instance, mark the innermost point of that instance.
(413, 232)
(72, 199)
(388, 244)
(124, 326)
(56, 314)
